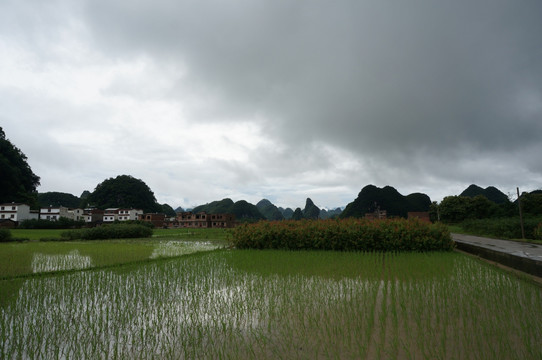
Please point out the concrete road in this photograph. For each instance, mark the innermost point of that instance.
(515, 248)
(521, 256)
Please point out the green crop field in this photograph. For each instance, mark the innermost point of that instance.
(276, 304)
(20, 259)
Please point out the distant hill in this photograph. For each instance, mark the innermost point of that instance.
(287, 213)
(54, 198)
(388, 198)
(326, 214)
(265, 209)
(491, 193)
(311, 211)
(270, 211)
(242, 210)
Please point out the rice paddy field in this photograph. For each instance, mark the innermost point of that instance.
(266, 304)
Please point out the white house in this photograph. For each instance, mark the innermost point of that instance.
(110, 214)
(113, 214)
(129, 214)
(16, 212)
(76, 214)
(54, 213)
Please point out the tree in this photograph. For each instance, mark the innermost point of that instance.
(124, 191)
(454, 209)
(17, 181)
(531, 203)
(58, 199)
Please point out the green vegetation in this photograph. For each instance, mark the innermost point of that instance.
(17, 183)
(270, 211)
(344, 235)
(54, 198)
(243, 211)
(62, 223)
(276, 304)
(503, 228)
(215, 234)
(37, 234)
(491, 193)
(21, 259)
(113, 231)
(124, 191)
(371, 197)
(5, 235)
(311, 211)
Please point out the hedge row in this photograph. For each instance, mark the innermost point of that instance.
(114, 231)
(5, 235)
(504, 228)
(343, 235)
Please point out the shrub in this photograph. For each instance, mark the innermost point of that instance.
(343, 235)
(538, 232)
(115, 231)
(504, 228)
(62, 223)
(5, 235)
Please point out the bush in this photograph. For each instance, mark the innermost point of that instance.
(538, 232)
(343, 235)
(114, 231)
(62, 223)
(5, 235)
(504, 228)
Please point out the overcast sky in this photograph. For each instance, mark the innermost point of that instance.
(277, 99)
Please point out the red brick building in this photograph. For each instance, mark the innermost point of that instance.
(203, 220)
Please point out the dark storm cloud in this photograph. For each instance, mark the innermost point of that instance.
(392, 92)
(363, 75)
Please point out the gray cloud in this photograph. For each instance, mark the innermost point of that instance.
(421, 95)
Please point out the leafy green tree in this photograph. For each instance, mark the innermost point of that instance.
(531, 203)
(481, 207)
(17, 181)
(58, 199)
(124, 191)
(454, 209)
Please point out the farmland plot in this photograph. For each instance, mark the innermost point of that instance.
(276, 304)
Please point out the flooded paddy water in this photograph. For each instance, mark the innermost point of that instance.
(273, 304)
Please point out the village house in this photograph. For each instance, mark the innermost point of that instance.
(204, 220)
(158, 220)
(91, 215)
(54, 213)
(113, 214)
(16, 212)
(421, 215)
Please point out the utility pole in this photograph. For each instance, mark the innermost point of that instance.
(520, 215)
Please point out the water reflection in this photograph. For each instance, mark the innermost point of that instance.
(58, 262)
(178, 248)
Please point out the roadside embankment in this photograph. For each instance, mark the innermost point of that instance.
(522, 256)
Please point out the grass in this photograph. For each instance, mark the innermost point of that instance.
(21, 259)
(36, 234)
(276, 304)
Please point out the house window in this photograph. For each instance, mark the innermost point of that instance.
(12, 216)
(13, 208)
(2, 208)
(1, 217)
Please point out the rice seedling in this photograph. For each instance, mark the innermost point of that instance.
(232, 304)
